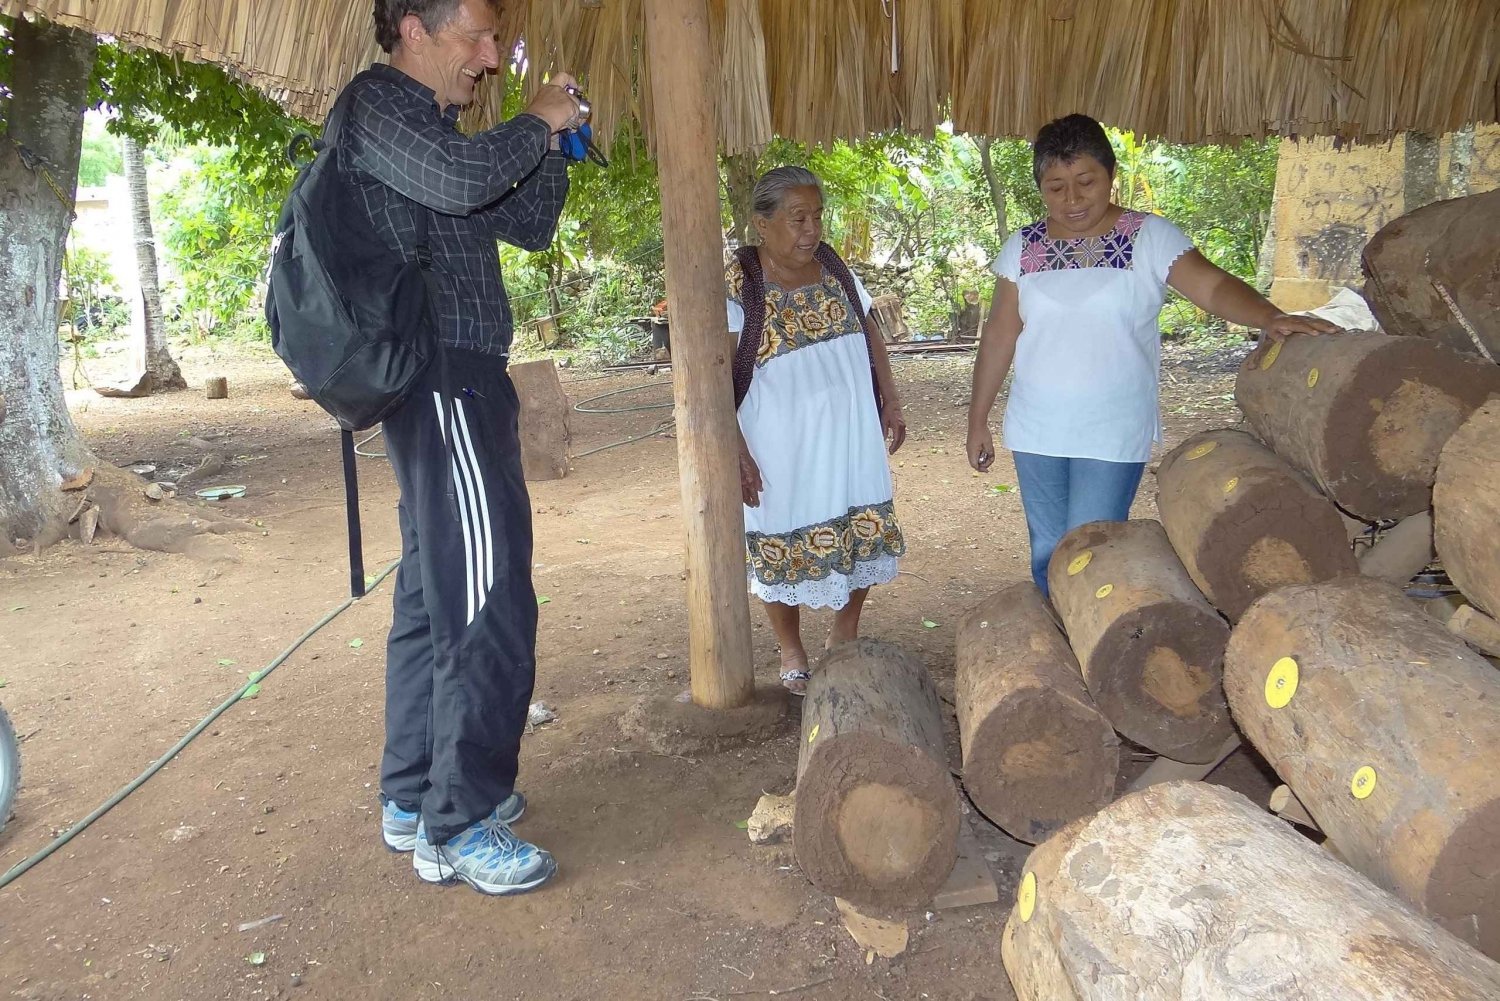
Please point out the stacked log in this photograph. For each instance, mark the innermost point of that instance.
(1187, 890)
(1244, 522)
(1387, 729)
(1463, 269)
(1364, 415)
(1036, 752)
(1466, 508)
(1398, 282)
(1151, 647)
(877, 813)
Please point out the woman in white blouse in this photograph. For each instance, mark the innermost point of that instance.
(1076, 303)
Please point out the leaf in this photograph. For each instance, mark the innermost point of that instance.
(356, 642)
(225, 662)
(2, 682)
(16, 608)
(256, 676)
(543, 600)
(743, 825)
(929, 624)
(1001, 488)
(252, 691)
(256, 959)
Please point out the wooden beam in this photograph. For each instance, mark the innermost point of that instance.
(681, 55)
(1164, 769)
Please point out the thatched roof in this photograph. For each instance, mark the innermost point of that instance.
(816, 70)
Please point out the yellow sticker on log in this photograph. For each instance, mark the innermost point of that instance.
(1079, 562)
(812, 734)
(1026, 897)
(1312, 378)
(1272, 353)
(1363, 783)
(1281, 683)
(1230, 484)
(1104, 592)
(1200, 451)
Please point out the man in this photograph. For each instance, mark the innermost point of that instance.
(460, 660)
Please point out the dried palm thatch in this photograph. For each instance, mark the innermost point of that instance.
(818, 70)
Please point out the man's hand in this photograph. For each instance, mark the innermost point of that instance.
(554, 105)
(750, 485)
(1282, 325)
(981, 448)
(893, 424)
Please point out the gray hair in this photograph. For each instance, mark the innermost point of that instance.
(773, 185)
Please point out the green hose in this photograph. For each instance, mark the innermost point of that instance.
(20, 870)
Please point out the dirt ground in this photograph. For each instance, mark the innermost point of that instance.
(108, 655)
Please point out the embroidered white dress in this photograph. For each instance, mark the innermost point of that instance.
(826, 522)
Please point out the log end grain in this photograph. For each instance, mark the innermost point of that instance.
(1466, 507)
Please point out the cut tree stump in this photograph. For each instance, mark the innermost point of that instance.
(1466, 508)
(1387, 727)
(1398, 285)
(1363, 415)
(543, 421)
(216, 387)
(1244, 522)
(1151, 646)
(1037, 753)
(1191, 891)
(877, 812)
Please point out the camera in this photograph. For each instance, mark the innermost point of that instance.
(585, 109)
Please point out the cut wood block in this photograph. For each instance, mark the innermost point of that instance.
(1037, 752)
(1165, 769)
(1186, 890)
(1285, 804)
(1387, 728)
(1466, 508)
(971, 882)
(543, 421)
(877, 812)
(1244, 522)
(216, 387)
(1363, 415)
(1151, 646)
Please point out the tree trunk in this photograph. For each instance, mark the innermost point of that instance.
(1386, 727)
(739, 187)
(1364, 415)
(159, 363)
(1037, 753)
(1151, 647)
(1190, 891)
(39, 445)
(877, 813)
(1244, 522)
(1466, 508)
(997, 186)
(1420, 185)
(543, 421)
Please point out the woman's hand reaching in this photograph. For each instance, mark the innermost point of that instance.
(893, 424)
(1283, 324)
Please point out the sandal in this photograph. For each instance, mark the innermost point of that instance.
(796, 676)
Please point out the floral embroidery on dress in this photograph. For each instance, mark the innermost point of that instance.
(1115, 249)
(798, 317)
(816, 551)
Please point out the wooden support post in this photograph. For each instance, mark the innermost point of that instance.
(677, 39)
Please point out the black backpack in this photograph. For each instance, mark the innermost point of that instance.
(352, 320)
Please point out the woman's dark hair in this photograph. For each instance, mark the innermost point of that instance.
(434, 14)
(1065, 140)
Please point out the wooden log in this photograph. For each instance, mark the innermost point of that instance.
(1190, 891)
(1402, 552)
(682, 56)
(543, 422)
(1474, 627)
(216, 387)
(1387, 727)
(1397, 284)
(1463, 270)
(877, 812)
(1037, 753)
(1151, 646)
(1285, 804)
(1466, 508)
(1363, 415)
(1244, 522)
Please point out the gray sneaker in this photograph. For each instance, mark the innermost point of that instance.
(398, 827)
(488, 856)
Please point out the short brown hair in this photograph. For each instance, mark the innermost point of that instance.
(434, 15)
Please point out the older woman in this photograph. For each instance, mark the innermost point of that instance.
(1076, 304)
(816, 404)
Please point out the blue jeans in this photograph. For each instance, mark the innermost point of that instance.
(1059, 494)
